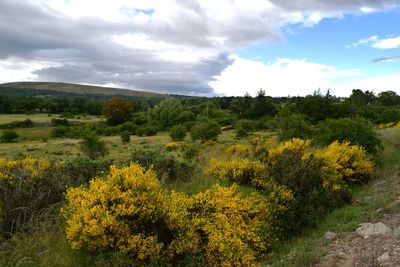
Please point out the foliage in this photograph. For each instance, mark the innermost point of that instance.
(165, 165)
(239, 149)
(171, 146)
(294, 165)
(242, 171)
(92, 146)
(293, 126)
(9, 136)
(129, 213)
(59, 122)
(28, 189)
(167, 113)
(243, 127)
(147, 130)
(355, 131)
(178, 132)
(205, 130)
(117, 110)
(81, 170)
(125, 136)
(350, 163)
(191, 151)
(60, 131)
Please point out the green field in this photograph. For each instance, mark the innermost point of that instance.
(46, 118)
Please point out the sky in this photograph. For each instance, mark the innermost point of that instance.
(204, 47)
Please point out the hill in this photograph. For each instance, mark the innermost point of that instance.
(68, 89)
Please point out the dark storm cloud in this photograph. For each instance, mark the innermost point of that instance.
(82, 50)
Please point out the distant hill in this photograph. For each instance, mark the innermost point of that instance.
(68, 89)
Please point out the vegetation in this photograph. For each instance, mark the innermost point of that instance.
(256, 174)
(9, 136)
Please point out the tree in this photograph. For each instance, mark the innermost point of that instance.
(167, 113)
(205, 130)
(118, 110)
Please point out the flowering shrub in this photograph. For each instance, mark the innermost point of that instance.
(228, 226)
(171, 146)
(242, 171)
(129, 212)
(238, 149)
(389, 125)
(27, 189)
(316, 191)
(260, 147)
(349, 162)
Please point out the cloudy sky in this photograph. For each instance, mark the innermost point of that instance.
(204, 47)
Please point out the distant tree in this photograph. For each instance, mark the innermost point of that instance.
(167, 113)
(389, 98)
(358, 97)
(262, 105)
(205, 130)
(118, 110)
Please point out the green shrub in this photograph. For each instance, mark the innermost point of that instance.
(147, 130)
(355, 131)
(177, 132)
(81, 170)
(125, 137)
(59, 122)
(164, 164)
(92, 146)
(205, 130)
(191, 151)
(60, 131)
(243, 127)
(9, 136)
(293, 126)
(129, 126)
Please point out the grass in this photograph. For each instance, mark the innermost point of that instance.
(45, 118)
(380, 194)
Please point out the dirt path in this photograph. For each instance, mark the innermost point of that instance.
(351, 249)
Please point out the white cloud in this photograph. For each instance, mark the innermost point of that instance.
(376, 84)
(280, 78)
(375, 42)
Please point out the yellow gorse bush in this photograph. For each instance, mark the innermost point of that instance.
(389, 125)
(129, 212)
(295, 146)
(349, 162)
(28, 168)
(242, 171)
(238, 149)
(171, 146)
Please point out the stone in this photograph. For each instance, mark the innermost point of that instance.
(384, 257)
(330, 235)
(370, 229)
(396, 232)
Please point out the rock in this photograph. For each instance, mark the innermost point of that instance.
(369, 229)
(330, 235)
(396, 232)
(66, 143)
(384, 257)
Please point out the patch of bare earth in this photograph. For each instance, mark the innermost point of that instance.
(376, 243)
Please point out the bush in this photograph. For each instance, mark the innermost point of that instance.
(59, 122)
(9, 136)
(28, 190)
(81, 170)
(243, 127)
(165, 165)
(205, 130)
(17, 124)
(128, 212)
(130, 127)
(293, 126)
(242, 171)
(125, 137)
(355, 131)
(178, 132)
(171, 146)
(92, 146)
(294, 165)
(147, 130)
(117, 110)
(60, 131)
(348, 162)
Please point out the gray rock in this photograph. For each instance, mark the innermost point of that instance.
(396, 232)
(384, 257)
(330, 235)
(369, 229)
